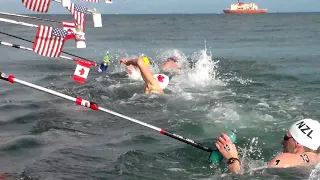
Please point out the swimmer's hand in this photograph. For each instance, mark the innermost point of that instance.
(229, 150)
(127, 61)
(226, 147)
(123, 61)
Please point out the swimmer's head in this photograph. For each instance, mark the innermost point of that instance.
(173, 58)
(162, 79)
(146, 60)
(307, 133)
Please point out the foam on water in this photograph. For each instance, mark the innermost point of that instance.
(192, 83)
(315, 173)
(135, 74)
(203, 74)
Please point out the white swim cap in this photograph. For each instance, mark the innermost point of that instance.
(162, 79)
(307, 133)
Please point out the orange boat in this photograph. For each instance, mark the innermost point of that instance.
(243, 8)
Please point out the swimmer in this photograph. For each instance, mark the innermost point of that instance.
(300, 147)
(154, 83)
(171, 63)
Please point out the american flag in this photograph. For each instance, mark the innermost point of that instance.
(49, 41)
(70, 27)
(91, 1)
(37, 5)
(79, 14)
(108, 1)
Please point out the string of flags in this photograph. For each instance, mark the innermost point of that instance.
(49, 41)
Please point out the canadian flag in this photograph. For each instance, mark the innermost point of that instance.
(82, 70)
(108, 1)
(70, 27)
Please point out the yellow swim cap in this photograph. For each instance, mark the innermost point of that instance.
(146, 60)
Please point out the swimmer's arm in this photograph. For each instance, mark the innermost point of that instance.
(147, 74)
(235, 167)
(129, 62)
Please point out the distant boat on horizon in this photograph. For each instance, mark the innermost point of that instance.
(244, 8)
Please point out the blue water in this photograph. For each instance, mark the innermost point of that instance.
(254, 73)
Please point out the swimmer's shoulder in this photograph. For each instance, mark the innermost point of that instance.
(290, 160)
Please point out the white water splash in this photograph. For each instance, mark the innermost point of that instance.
(177, 170)
(315, 173)
(205, 69)
(135, 74)
(203, 73)
(223, 113)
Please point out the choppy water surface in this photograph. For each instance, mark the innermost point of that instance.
(257, 74)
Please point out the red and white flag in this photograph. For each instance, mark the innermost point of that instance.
(108, 1)
(70, 27)
(91, 1)
(49, 41)
(37, 5)
(79, 14)
(82, 70)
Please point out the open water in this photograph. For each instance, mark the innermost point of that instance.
(255, 73)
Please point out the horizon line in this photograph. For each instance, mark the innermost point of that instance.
(218, 13)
